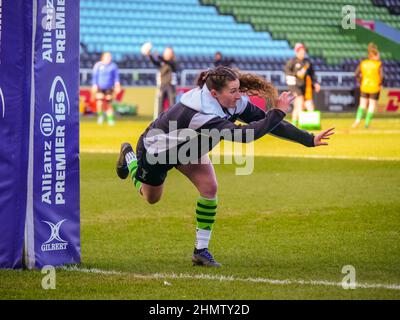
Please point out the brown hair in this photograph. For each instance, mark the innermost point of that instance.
(372, 49)
(251, 84)
(255, 85)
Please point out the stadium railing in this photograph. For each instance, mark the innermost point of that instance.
(186, 76)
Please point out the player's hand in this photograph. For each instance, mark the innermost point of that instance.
(284, 101)
(317, 87)
(94, 88)
(323, 135)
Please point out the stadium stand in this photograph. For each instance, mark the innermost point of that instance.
(192, 29)
(392, 5)
(315, 23)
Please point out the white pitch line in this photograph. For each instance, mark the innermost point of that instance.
(340, 157)
(283, 155)
(371, 132)
(381, 132)
(221, 278)
(94, 150)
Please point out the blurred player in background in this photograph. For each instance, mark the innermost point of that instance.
(221, 61)
(370, 74)
(297, 71)
(105, 84)
(308, 95)
(221, 97)
(167, 80)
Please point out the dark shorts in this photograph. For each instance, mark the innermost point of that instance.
(105, 94)
(148, 173)
(297, 91)
(373, 96)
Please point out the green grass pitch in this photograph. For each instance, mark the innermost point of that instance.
(283, 232)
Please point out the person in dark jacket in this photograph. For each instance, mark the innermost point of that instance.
(167, 79)
(219, 60)
(182, 137)
(298, 70)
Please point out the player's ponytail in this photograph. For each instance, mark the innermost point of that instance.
(201, 79)
(254, 85)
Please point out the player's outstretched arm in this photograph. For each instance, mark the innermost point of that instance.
(287, 131)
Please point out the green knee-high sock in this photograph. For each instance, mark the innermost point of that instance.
(205, 213)
(368, 118)
(110, 117)
(205, 217)
(360, 113)
(132, 166)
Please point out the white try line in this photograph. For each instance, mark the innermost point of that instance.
(321, 156)
(172, 276)
(278, 155)
(374, 131)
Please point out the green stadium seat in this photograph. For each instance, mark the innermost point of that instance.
(315, 22)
